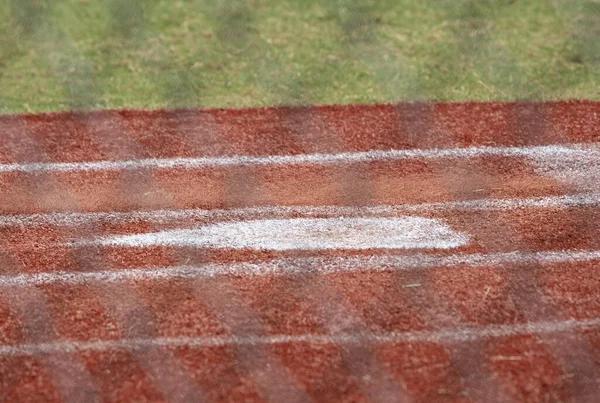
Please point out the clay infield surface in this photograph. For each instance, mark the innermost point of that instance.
(388, 253)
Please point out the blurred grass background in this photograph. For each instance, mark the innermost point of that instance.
(90, 54)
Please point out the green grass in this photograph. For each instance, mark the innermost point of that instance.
(88, 54)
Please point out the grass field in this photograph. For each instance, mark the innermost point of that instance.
(84, 54)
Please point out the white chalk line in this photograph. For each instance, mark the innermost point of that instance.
(299, 266)
(547, 151)
(166, 216)
(445, 336)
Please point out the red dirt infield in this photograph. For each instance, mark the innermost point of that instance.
(146, 254)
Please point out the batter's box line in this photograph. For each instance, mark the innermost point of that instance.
(165, 216)
(300, 266)
(444, 336)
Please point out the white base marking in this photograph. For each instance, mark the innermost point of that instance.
(455, 335)
(293, 266)
(304, 234)
(559, 151)
(165, 216)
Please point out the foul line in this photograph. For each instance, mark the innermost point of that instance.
(456, 335)
(548, 151)
(165, 216)
(299, 266)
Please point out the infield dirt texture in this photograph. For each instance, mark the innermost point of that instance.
(419, 252)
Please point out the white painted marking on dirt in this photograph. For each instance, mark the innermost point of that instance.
(304, 234)
(166, 216)
(444, 336)
(548, 151)
(299, 266)
(580, 168)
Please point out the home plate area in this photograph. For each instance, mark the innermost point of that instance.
(416, 252)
